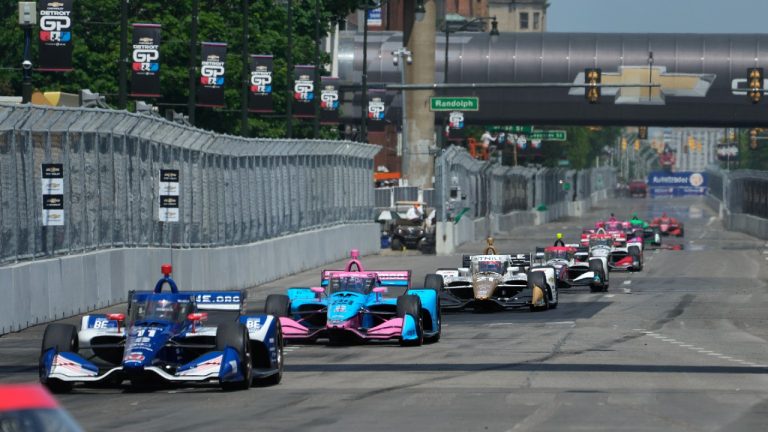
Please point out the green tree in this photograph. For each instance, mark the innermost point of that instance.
(96, 33)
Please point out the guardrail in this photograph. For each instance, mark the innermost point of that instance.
(232, 190)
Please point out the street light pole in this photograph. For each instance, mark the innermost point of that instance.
(123, 66)
(26, 83)
(364, 100)
(193, 61)
(316, 99)
(448, 31)
(404, 54)
(244, 129)
(289, 74)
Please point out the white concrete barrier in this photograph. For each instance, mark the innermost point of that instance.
(40, 291)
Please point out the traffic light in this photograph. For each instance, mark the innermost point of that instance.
(699, 146)
(755, 84)
(642, 132)
(637, 145)
(592, 77)
(623, 143)
(753, 139)
(691, 143)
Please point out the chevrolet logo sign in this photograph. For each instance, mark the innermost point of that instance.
(669, 84)
(55, 5)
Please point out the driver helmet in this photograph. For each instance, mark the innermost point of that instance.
(163, 309)
(490, 266)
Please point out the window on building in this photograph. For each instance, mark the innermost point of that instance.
(523, 20)
(536, 20)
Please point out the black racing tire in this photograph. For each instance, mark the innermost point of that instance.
(434, 281)
(63, 338)
(596, 266)
(682, 232)
(276, 378)
(539, 279)
(235, 335)
(466, 261)
(636, 254)
(278, 305)
(411, 305)
(396, 244)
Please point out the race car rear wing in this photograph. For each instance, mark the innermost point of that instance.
(206, 300)
(400, 278)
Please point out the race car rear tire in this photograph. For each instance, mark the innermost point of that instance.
(396, 244)
(411, 305)
(682, 232)
(434, 281)
(466, 261)
(539, 279)
(63, 338)
(235, 335)
(597, 267)
(636, 255)
(278, 305)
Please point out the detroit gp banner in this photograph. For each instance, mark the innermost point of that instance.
(376, 110)
(260, 89)
(145, 65)
(55, 39)
(304, 91)
(211, 91)
(329, 100)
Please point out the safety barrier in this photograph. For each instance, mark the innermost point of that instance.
(741, 199)
(232, 190)
(493, 198)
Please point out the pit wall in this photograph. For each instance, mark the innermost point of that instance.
(46, 290)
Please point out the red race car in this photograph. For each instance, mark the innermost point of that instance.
(668, 225)
(30, 408)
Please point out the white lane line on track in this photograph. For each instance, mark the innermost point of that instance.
(668, 340)
(627, 282)
(609, 295)
(765, 252)
(639, 330)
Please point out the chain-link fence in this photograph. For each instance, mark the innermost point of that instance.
(492, 188)
(231, 191)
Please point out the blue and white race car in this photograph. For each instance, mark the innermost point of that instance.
(351, 305)
(164, 337)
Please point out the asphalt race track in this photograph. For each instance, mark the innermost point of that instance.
(680, 346)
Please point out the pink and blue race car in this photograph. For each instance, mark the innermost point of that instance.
(166, 337)
(351, 305)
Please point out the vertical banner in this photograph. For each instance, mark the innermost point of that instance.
(55, 39)
(304, 91)
(169, 195)
(211, 90)
(376, 110)
(260, 90)
(145, 67)
(329, 100)
(53, 194)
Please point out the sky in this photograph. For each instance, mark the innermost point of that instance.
(658, 16)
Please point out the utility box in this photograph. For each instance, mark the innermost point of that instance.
(27, 13)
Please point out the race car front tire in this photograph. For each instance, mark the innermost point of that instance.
(538, 278)
(277, 377)
(434, 281)
(396, 244)
(278, 305)
(63, 338)
(411, 305)
(636, 255)
(235, 335)
(596, 266)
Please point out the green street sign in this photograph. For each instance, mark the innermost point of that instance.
(549, 135)
(514, 129)
(454, 103)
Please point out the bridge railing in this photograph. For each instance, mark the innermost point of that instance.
(233, 190)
